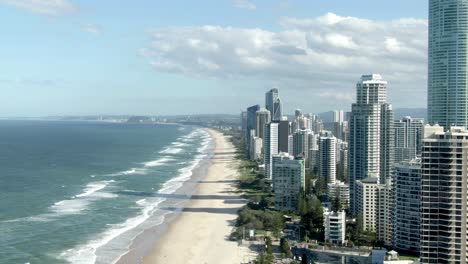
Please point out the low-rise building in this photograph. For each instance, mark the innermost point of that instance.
(342, 189)
(335, 226)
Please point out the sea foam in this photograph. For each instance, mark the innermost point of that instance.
(86, 253)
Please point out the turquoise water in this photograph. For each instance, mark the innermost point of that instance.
(80, 192)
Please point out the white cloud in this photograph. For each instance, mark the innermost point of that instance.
(91, 28)
(322, 53)
(43, 7)
(245, 4)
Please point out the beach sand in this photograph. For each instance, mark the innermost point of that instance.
(200, 233)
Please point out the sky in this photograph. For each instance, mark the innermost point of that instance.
(152, 57)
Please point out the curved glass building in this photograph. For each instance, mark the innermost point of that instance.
(448, 76)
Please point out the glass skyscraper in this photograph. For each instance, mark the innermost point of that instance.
(448, 76)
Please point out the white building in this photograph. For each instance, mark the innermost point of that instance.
(335, 226)
(327, 157)
(374, 203)
(288, 181)
(371, 134)
(270, 146)
(407, 193)
(366, 202)
(341, 189)
(256, 148)
(444, 200)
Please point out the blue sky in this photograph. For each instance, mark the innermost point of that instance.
(72, 57)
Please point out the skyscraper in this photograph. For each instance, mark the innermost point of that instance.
(283, 137)
(263, 117)
(371, 134)
(251, 124)
(327, 157)
(448, 61)
(407, 195)
(408, 138)
(444, 202)
(270, 146)
(301, 143)
(273, 104)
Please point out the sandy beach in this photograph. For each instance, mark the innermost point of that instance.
(200, 233)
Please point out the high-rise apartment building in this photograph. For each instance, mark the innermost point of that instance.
(284, 132)
(262, 118)
(407, 195)
(371, 134)
(301, 143)
(327, 157)
(273, 104)
(251, 124)
(270, 146)
(408, 138)
(444, 189)
(288, 180)
(448, 61)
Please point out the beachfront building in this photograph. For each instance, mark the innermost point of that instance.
(256, 148)
(327, 157)
(262, 118)
(407, 195)
(273, 104)
(448, 61)
(408, 138)
(251, 124)
(444, 201)
(288, 181)
(335, 226)
(371, 134)
(270, 147)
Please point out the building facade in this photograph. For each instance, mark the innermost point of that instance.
(407, 195)
(444, 189)
(408, 138)
(288, 181)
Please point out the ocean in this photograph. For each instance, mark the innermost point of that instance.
(81, 192)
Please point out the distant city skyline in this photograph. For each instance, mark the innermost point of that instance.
(72, 57)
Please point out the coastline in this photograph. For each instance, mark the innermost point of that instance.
(207, 216)
(200, 232)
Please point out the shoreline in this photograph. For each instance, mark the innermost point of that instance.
(212, 201)
(200, 232)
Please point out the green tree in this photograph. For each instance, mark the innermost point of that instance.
(320, 186)
(284, 245)
(269, 245)
(336, 202)
(264, 258)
